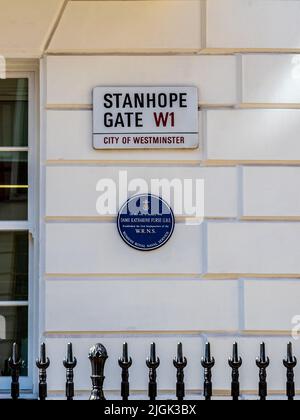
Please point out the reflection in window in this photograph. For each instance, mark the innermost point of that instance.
(13, 185)
(2, 328)
(14, 113)
(14, 245)
(13, 266)
(13, 288)
(16, 321)
(13, 163)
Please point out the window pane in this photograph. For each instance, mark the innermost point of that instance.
(14, 173)
(13, 266)
(14, 113)
(13, 168)
(14, 246)
(13, 204)
(13, 329)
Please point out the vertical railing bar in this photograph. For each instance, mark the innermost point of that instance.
(263, 363)
(235, 363)
(43, 364)
(125, 363)
(70, 363)
(180, 364)
(152, 363)
(290, 363)
(208, 363)
(15, 364)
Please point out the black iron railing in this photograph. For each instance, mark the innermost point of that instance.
(98, 356)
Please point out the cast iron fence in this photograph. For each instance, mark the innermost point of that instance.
(98, 356)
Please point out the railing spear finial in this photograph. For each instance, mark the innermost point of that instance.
(152, 363)
(235, 362)
(15, 364)
(290, 363)
(125, 363)
(180, 364)
(70, 364)
(43, 364)
(263, 363)
(208, 363)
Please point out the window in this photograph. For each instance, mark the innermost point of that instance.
(15, 224)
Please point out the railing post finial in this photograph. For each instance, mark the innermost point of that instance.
(98, 356)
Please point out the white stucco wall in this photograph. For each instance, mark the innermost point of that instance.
(236, 277)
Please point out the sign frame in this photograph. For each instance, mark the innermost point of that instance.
(145, 117)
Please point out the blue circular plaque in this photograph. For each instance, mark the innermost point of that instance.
(146, 222)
